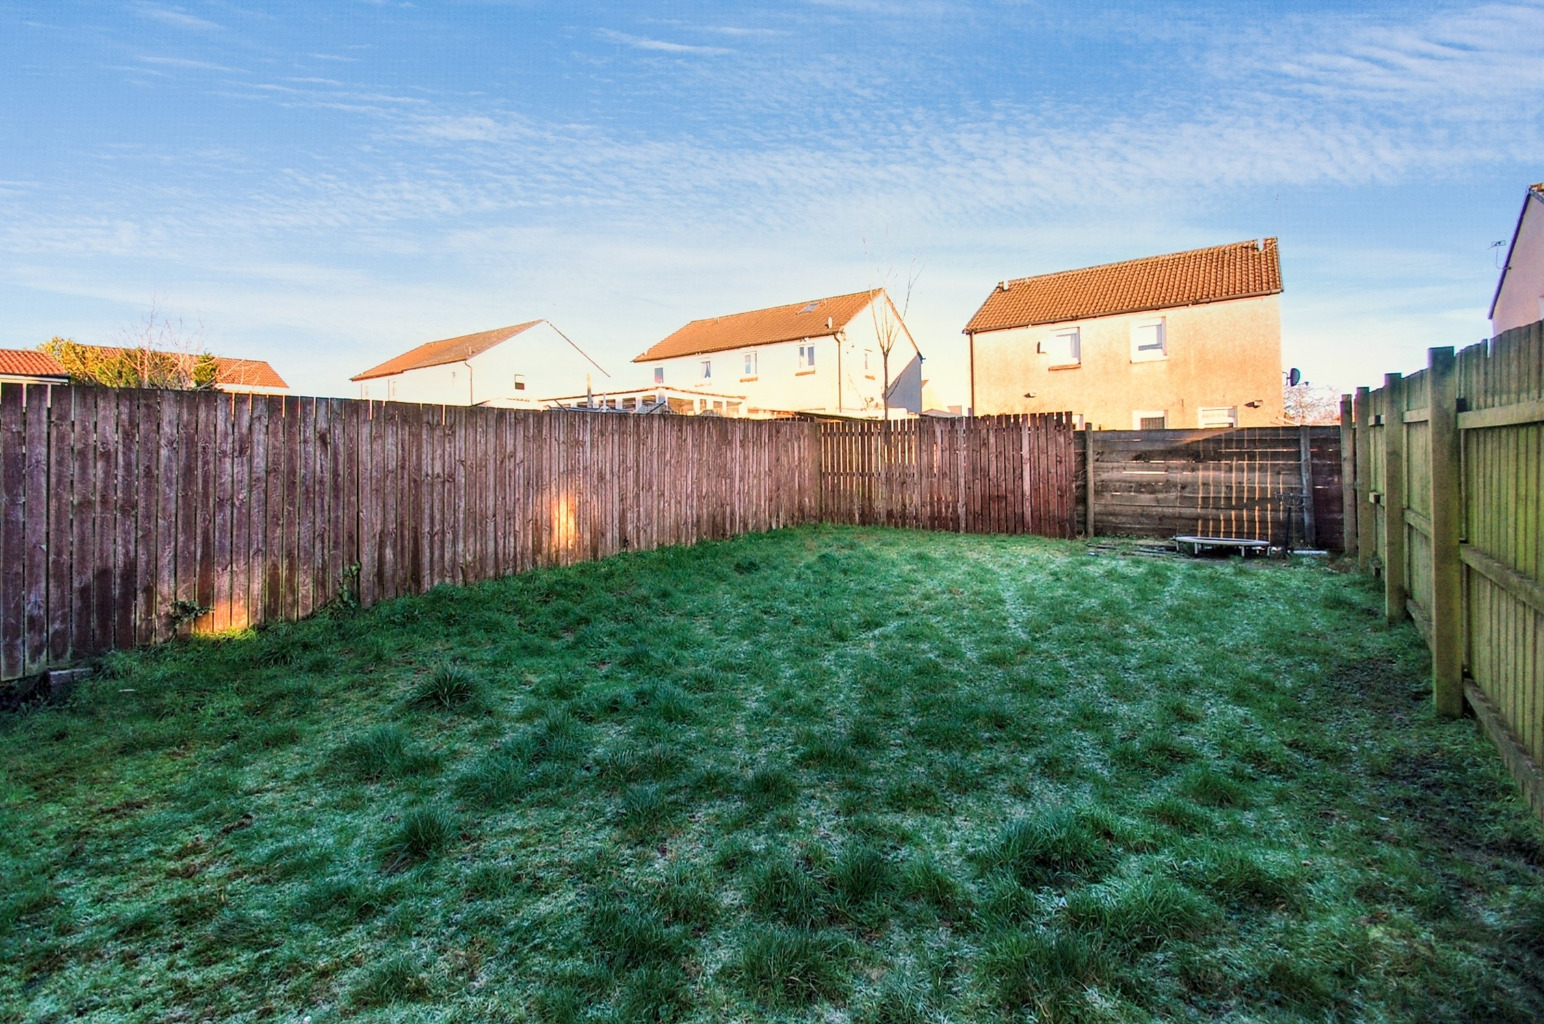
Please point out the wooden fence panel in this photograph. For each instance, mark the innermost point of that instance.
(1244, 483)
(1484, 620)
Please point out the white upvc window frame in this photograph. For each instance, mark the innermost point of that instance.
(659, 376)
(1064, 347)
(1150, 353)
(807, 358)
(706, 372)
(1138, 415)
(1202, 418)
(519, 382)
(749, 362)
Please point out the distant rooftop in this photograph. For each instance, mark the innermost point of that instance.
(814, 318)
(1236, 271)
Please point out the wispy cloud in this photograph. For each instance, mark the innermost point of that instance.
(333, 57)
(175, 16)
(183, 62)
(659, 45)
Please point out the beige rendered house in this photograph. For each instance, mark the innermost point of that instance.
(820, 356)
(521, 366)
(1190, 339)
(1519, 298)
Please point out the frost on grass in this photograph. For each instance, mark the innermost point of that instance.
(819, 774)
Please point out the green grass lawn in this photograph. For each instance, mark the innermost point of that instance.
(822, 774)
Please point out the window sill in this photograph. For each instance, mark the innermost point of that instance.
(1066, 366)
(745, 379)
(802, 373)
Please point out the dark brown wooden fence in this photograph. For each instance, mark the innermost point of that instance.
(126, 516)
(129, 516)
(1449, 509)
(1243, 483)
(992, 474)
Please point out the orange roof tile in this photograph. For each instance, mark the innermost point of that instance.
(25, 362)
(447, 350)
(1236, 271)
(818, 318)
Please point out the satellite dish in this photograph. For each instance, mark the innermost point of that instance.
(1294, 377)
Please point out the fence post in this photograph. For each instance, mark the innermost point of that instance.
(1447, 581)
(1088, 474)
(1394, 501)
(1348, 509)
(1366, 519)
(1305, 468)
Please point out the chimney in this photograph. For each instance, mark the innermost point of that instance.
(1002, 286)
(828, 323)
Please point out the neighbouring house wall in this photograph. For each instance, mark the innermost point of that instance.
(1521, 301)
(841, 382)
(1220, 354)
(550, 365)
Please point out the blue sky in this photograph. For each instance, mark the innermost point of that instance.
(326, 184)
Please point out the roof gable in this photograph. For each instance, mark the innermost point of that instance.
(446, 350)
(1535, 192)
(816, 318)
(1236, 271)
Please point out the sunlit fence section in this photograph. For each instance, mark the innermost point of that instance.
(128, 516)
(1450, 510)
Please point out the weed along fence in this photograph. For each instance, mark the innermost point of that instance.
(992, 474)
(128, 515)
(1449, 507)
(1255, 483)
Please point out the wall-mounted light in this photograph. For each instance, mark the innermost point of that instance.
(1253, 405)
(1029, 394)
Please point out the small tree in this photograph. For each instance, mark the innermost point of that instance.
(1309, 403)
(890, 323)
(159, 353)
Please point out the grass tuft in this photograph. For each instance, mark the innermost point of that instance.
(448, 687)
(384, 752)
(1059, 844)
(396, 979)
(794, 967)
(421, 835)
(1046, 971)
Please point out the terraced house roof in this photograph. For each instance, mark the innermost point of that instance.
(816, 318)
(24, 362)
(1236, 271)
(446, 350)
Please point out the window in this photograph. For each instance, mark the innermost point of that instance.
(868, 367)
(659, 375)
(519, 382)
(1219, 416)
(806, 358)
(1149, 419)
(1149, 340)
(1064, 348)
(707, 369)
(391, 389)
(750, 364)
